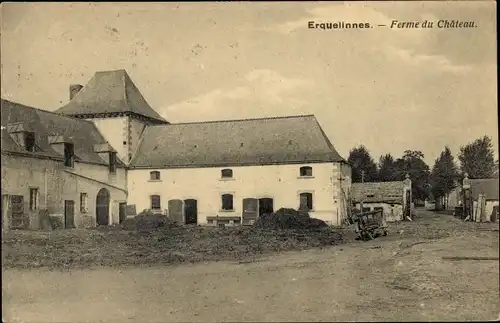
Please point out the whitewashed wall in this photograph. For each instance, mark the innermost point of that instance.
(280, 182)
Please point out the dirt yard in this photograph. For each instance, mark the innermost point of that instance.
(401, 277)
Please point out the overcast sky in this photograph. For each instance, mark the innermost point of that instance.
(390, 90)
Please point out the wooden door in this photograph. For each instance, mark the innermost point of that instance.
(69, 214)
(20, 220)
(266, 206)
(250, 211)
(191, 211)
(175, 208)
(122, 212)
(102, 207)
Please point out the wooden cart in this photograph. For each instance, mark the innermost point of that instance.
(369, 225)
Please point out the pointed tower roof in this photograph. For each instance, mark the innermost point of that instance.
(110, 92)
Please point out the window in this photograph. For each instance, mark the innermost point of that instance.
(155, 202)
(33, 199)
(112, 162)
(227, 173)
(29, 141)
(306, 201)
(83, 202)
(69, 154)
(154, 175)
(227, 202)
(306, 171)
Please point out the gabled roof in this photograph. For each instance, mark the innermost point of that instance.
(110, 92)
(378, 192)
(488, 187)
(83, 134)
(265, 141)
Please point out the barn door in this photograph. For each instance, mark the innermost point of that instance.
(191, 211)
(250, 209)
(175, 208)
(20, 220)
(266, 206)
(69, 214)
(102, 207)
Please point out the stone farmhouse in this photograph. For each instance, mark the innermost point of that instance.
(107, 151)
(393, 198)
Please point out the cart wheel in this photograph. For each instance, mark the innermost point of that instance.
(369, 236)
(385, 233)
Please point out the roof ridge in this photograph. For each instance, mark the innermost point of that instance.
(109, 71)
(238, 120)
(46, 111)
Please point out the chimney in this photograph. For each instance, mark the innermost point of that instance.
(73, 90)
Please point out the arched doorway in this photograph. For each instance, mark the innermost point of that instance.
(102, 207)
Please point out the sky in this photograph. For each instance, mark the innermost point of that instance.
(387, 89)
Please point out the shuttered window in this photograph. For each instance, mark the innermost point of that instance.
(155, 202)
(154, 175)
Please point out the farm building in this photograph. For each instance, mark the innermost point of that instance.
(196, 173)
(485, 199)
(394, 198)
(59, 166)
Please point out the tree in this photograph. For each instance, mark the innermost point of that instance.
(387, 168)
(477, 158)
(360, 160)
(444, 174)
(413, 163)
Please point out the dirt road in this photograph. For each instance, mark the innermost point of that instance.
(386, 279)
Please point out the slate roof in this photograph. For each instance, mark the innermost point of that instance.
(110, 92)
(83, 134)
(378, 192)
(488, 187)
(265, 141)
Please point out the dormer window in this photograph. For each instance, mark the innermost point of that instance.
(23, 136)
(112, 162)
(227, 173)
(29, 141)
(306, 171)
(154, 175)
(69, 155)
